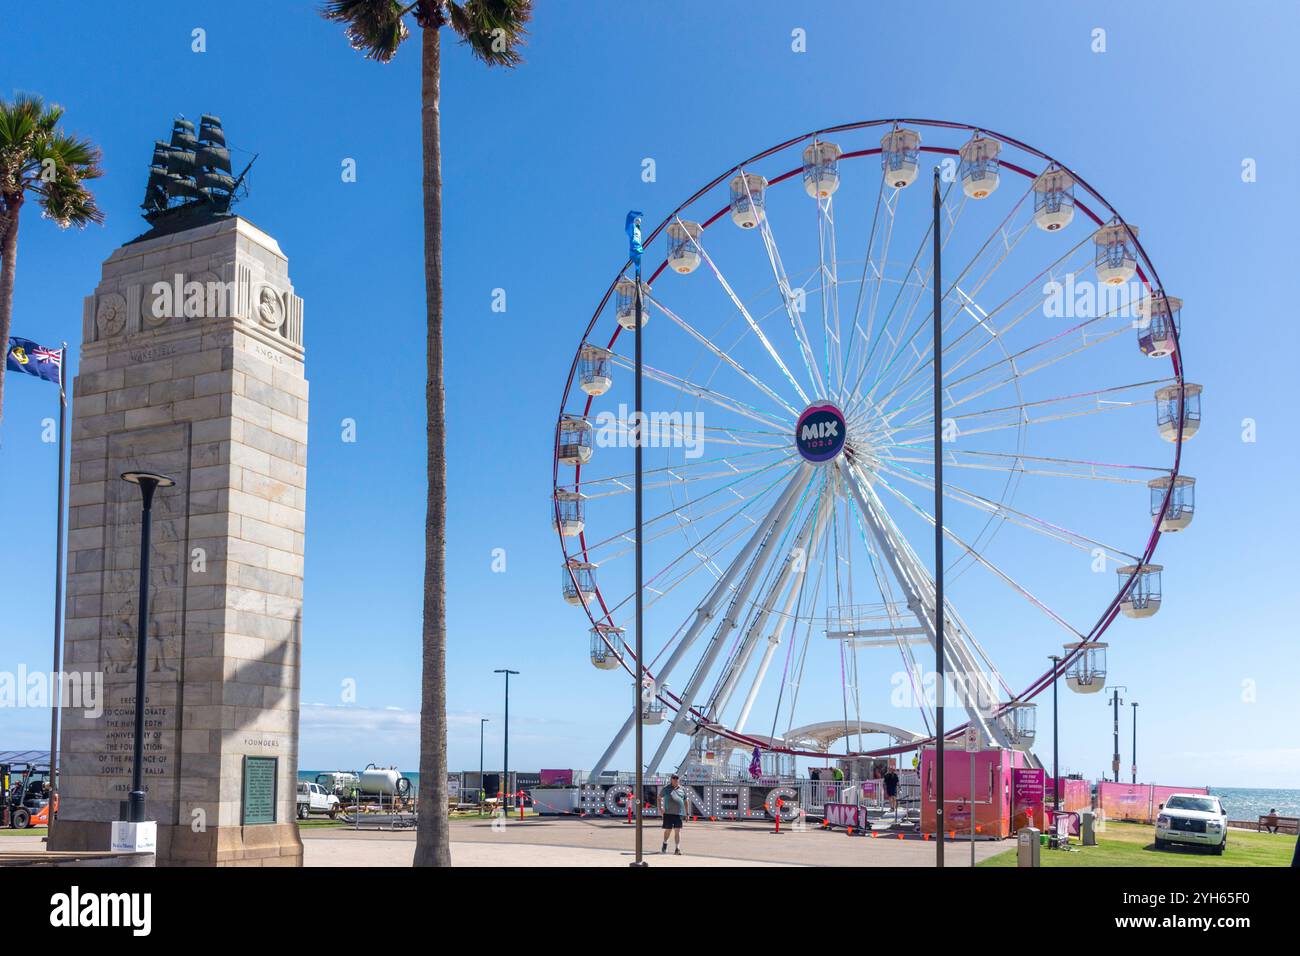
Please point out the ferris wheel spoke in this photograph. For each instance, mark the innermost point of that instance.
(723, 355)
(1007, 513)
(794, 557)
(1013, 463)
(899, 344)
(754, 326)
(966, 302)
(700, 391)
(622, 483)
(746, 569)
(972, 669)
(870, 266)
(828, 276)
(984, 321)
(783, 616)
(979, 558)
(792, 308)
(1018, 415)
(661, 583)
(732, 496)
(894, 619)
(967, 305)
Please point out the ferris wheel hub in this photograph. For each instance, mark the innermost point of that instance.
(820, 432)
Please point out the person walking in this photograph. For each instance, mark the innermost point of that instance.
(891, 789)
(672, 805)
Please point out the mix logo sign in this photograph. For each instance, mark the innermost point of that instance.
(819, 433)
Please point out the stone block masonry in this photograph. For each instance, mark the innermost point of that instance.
(191, 365)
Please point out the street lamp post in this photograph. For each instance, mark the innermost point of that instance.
(937, 321)
(481, 794)
(1134, 767)
(1056, 753)
(505, 757)
(148, 483)
(633, 226)
(1114, 760)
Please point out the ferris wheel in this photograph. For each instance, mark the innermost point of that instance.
(789, 442)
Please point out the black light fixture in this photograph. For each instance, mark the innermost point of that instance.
(481, 794)
(1134, 766)
(505, 759)
(149, 482)
(1056, 773)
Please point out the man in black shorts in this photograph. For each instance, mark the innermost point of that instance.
(672, 804)
(891, 789)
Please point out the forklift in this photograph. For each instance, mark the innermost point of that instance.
(25, 795)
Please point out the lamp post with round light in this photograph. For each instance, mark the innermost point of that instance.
(148, 483)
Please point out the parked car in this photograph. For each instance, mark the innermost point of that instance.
(1194, 819)
(313, 798)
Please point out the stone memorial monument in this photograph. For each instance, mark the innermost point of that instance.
(191, 366)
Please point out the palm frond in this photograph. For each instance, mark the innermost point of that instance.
(37, 157)
(373, 27)
(493, 29)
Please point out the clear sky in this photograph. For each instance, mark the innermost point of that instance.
(540, 165)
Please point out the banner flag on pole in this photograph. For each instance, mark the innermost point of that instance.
(633, 227)
(24, 355)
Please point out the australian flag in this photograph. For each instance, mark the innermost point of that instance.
(24, 355)
(756, 764)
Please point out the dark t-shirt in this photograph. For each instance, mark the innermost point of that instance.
(891, 784)
(674, 801)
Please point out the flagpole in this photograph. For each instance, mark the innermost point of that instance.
(56, 690)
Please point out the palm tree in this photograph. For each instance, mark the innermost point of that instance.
(492, 29)
(38, 159)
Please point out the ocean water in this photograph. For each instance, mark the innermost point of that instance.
(1247, 804)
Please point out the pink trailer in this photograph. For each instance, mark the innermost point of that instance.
(995, 815)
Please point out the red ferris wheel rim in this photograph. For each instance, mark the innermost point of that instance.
(1146, 272)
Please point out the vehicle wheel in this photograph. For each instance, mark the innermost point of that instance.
(1160, 844)
(333, 812)
(22, 818)
(1218, 850)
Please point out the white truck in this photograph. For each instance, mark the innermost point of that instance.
(313, 798)
(1195, 819)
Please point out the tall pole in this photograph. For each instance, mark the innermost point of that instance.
(481, 794)
(505, 757)
(56, 671)
(638, 859)
(1134, 766)
(149, 483)
(1114, 760)
(1056, 739)
(937, 318)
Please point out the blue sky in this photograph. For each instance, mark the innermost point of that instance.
(539, 167)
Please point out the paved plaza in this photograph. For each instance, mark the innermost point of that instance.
(570, 841)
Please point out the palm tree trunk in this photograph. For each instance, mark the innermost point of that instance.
(8, 263)
(431, 838)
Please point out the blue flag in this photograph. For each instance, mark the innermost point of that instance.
(24, 355)
(633, 228)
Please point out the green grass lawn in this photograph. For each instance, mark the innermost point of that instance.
(32, 831)
(1133, 844)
